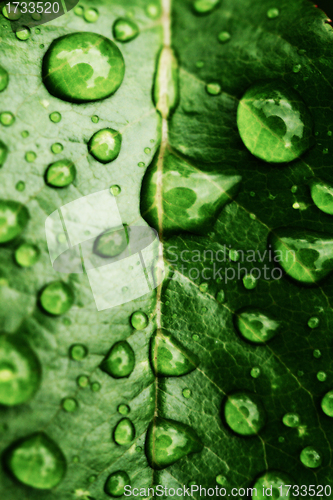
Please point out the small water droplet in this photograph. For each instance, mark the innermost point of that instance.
(300, 373)
(233, 255)
(316, 353)
(274, 122)
(105, 145)
(25, 134)
(125, 30)
(139, 320)
(95, 386)
(321, 376)
(330, 133)
(297, 68)
(291, 420)
(252, 194)
(76, 459)
(273, 13)
(57, 298)
(26, 255)
(37, 30)
(327, 404)
(220, 479)
(95, 119)
(187, 393)
(281, 439)
(296, 205)
(220, 296)
(60, 174)
(302, 52)
(91, 15)
(120, 361)
(37, 461)
(124, 432)
(30, 156)
(141, 164)
(277, 482)
(7, 118)
(115, 190)
(13, 219)
(63, 62)
(325, 151)
(4, 79)
(255, 372)
(55, 117)
(322, 196)
(249, 282)
(42, 46)
(57, 148)
(123, 409)
(78, 352)
(69, 405)
(310, 457)
(203, 287)
(195, 337)
(244, 413)
(313, 322)
(138, 449)
(83, 381)
(116, 482)
(213, 88)
(205, 6)
(224, 36)
(23, 34)
(293, 189)
(20, 186)
(79, 10)
(199, 64)
(147, 151)
(92, 478)
(253, 216)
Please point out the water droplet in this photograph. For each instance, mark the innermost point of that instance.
(91, 15)
(205, 6)
(13, 219)
(20, 186)
(30, 156)
(281, 439)
(166, 84)
(255, 372)
(278, 483)
(300, 373)
(249, 282)
(25, 134)
(316, 353)
(41, 46)
(115, 190)
(92, 478)
(111, 243)
(191, 200)
(293, 189)
(306, 256)
(83, 381)
(125, 30)
(187, 393)
(220, 479)
(37, 461)
(327, 404)
(20, 371)
(105, 145)
(139, 320)
(213, 88)
(138, 449)
(273, 13)
(26, 255)
(167, 441)
(153, 10)
(244, 413)
(313, 322)
(79, 11)
(83, 67)
(69, 405)
(297, 68)
(224, 36)
(124, 432)
(147, 151)
(55, 117)
(274, 122)
(7, 118)
(195, 337)
(60, 174)
(141, 164)
(310, 457)
(76, 459)
(325, 151)
(11, 15)
(203, 287)
(199, 64)
(291, 420)
(57, 298)
(255, 325)
(120, 361)
(37, 30)
(57, 148)
(233, 255)
(252, 194)
(23, 34)
(4, 79)
(95, 386)
(123, 409)
(321, 376)
(322, 196)
(95, 119)
(220, 296)
(116, 482)
(168, 357)
(78, 352)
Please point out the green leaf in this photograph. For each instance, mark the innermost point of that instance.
(205, 404)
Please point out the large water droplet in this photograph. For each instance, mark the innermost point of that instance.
(124, 432)
(168, 357)
(83, 67)
(278, 482)
(327, 404)
(116, 482)
(205, 6)
(191, 200)
(57, 298)
(168, 441)
(310, 457)
(111, 243)
(26, 255)
(13, 219)
(4, 79)
(255, 325)
(60, 174)
(139, 320)
(125, 30)
(291, 420)
(244, 413)
(166, 84)
(306, 256)
(274, 122)
(322, 195)
(20, 371)
(105, 145)
(37, 461)
(120, 361)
